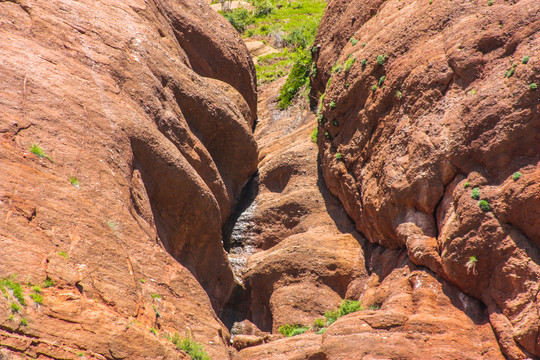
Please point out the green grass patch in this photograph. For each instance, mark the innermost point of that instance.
(190, 346)
(292, 330)
(314, 135)
(298, 77)
(346, 307)
(14, 286)
(273, 66)
(475, 193)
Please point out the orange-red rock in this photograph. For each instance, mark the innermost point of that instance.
(148, 107)
(442, 105)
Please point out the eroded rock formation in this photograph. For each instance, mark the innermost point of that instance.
(438, 101)
(139, 116)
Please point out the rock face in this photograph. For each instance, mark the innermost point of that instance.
(308, 257)
(141, 115)
(430, 101)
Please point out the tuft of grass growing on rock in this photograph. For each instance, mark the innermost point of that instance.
(292, 330)
(39, 152)
(466, 185)
(64, 255)
(525, 59)
(298, 77)
(533, 86)
(374, 88)
(381, 80)
(332, 105)
(349, 63)
(475, 194)
(380, 59)
(48, 283)
(14, 287)
(484, 205)
(354, 41)
(190, 346)
(314, 134)
(38, 298)
(517, 176)
(339, 156)
(74, 181)
(346, 307)
(471, 265)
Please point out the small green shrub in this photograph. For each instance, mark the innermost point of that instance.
(490, 2)
(156, 311)
(48, 283)
(339, 156)
(327, 134)
(363, 62)
(239, 19)
(533, 86)
(292, 330)
(24, 322)
(36, 288)
(475, 193)
(335, 122)
(374, 307)
(354, 41)
(374, 88)
(349, 306)
(484, 205)
(190, 346)
(399, 94)
(153, 331)
(321, 331)
(38, 151)
(471, 265)
(467, 184)
(516, 176)
(336, 69)
(298, 77)
(381, 80)
(156, 296)
(142, 280)
(331, 316)
(38, 299)
(319, 323)
(262, 7)
(314, 134)
(349, 63)
(64, 255)
(525, 59)
(332, 105)
(380, 59)
(15, 288)
(74, 181)
(15, 307)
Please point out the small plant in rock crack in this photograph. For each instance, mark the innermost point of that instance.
(349, 63)
(354, 41)
(471, 265)
(190, 346)
(533, 86)
(517, 176)
(525, 59)
(337, 69)
(332, 105)
(64, 255)
(490, 2)
(48, 283)
(335, 122)
(38, 151)
(292, 330)
(484, 205)
(374, 88)
(363, 62)
(339, 156)
(153, 331)
(38, 298)
(380, 59)
(381, 80)
(466, 185)
(508, 73)
(156, 311)
(314, 135)
(156, 296)
(399, 95)
(74, 181)
(475, 194)
(375, 306)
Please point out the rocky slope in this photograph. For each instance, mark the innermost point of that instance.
(139, 117)
(425, 101)
(307, 256)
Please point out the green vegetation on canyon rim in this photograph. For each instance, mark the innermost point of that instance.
(289, 26)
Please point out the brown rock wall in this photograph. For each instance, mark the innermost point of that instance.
(448, 109)
(156, 136)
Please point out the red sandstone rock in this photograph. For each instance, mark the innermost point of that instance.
(436, 119)
(148, 106)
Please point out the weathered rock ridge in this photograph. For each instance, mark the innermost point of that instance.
(141, 115)
(307, 256)
(438, 98)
